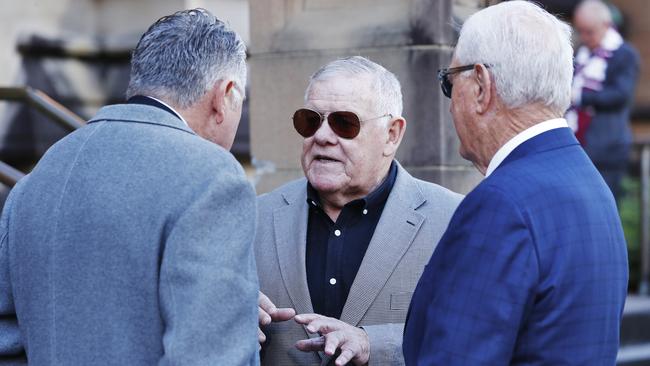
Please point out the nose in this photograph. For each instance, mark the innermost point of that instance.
(324, 135)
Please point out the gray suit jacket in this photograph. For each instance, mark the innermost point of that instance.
(414, 218)
(130, 243)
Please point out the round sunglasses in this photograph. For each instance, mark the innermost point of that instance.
(345, 124)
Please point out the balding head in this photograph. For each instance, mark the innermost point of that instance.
(592, 18)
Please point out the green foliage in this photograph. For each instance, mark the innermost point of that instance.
(629, 208)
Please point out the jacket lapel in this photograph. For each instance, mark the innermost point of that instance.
(393, 235)
(290, 223)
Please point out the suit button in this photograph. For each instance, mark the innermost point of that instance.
(332, 281)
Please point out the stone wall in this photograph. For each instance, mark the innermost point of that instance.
(290, 39)
(78, 52)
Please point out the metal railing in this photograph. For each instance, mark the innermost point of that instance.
(46, 105)
(9, 175)
(644, 145)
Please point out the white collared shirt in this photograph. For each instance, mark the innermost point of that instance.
(520, 138)
(170, 107)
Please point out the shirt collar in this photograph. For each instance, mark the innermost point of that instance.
(170, 108)
(373, 200)
(520, 138)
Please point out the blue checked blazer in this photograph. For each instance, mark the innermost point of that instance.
(532, 269)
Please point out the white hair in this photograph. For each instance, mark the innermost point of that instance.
(384, 85)
(529, 52)
(596, 9)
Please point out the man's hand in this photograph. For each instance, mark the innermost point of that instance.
(335, 334)
(268, 313)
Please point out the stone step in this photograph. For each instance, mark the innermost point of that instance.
(635, 333)
(634, 355)
(635, 328)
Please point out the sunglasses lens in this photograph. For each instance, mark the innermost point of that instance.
(344, 124)
(445, 85)
(306, 122)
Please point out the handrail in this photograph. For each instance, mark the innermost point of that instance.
(48, 106)
(644, 284)
(9, 175)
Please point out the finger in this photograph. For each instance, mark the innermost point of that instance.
(305, 319)
(323, 325)
(311, 345)
(263, 318)
(261, 337)
(282, 314)
(265, 303)
(346, 356)
(332, 342)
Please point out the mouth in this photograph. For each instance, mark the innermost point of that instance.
(325, 159)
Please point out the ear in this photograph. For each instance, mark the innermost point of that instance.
(396, 129)
(484, 92)
(222, 98)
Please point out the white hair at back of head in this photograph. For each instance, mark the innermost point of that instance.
(529, 52)
(596, 9)
(386, 89)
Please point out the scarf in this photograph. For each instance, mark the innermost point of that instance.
(590, 67)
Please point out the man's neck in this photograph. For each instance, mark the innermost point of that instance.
(506, 126)
(333, 202)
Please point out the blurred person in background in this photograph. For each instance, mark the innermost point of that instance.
(130, 243)
(605, 75)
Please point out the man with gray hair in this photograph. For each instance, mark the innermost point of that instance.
(130, 243)
(533, 267)
(344, 247)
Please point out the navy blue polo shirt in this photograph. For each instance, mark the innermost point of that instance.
(335, 249)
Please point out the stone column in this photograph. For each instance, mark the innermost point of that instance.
(290, 39)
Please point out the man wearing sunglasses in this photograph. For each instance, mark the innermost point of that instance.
(533, 267)
(344, 247)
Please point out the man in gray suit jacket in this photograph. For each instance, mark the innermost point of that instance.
(130, 243)
(344, 248)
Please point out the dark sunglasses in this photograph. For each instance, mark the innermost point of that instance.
(345, 124)
(443, 76)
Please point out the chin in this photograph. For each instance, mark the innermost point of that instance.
(324, 183)
(463, 153)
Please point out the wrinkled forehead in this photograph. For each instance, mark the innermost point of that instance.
(341, 93)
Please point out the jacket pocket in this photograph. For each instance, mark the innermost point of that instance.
(400, 300)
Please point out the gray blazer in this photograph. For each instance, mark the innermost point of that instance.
(414, 218)
(130, 243)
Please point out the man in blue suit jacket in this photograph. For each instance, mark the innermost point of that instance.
(130, 243)
(532, 269)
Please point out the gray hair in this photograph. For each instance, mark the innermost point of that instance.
(597, 9)
(384, 84)
(181, 56)
(529, 52)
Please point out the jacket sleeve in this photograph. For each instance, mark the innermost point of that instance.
(208, 281)
(12, 351)
(619, 85)
(385, 344)
(477, 289)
